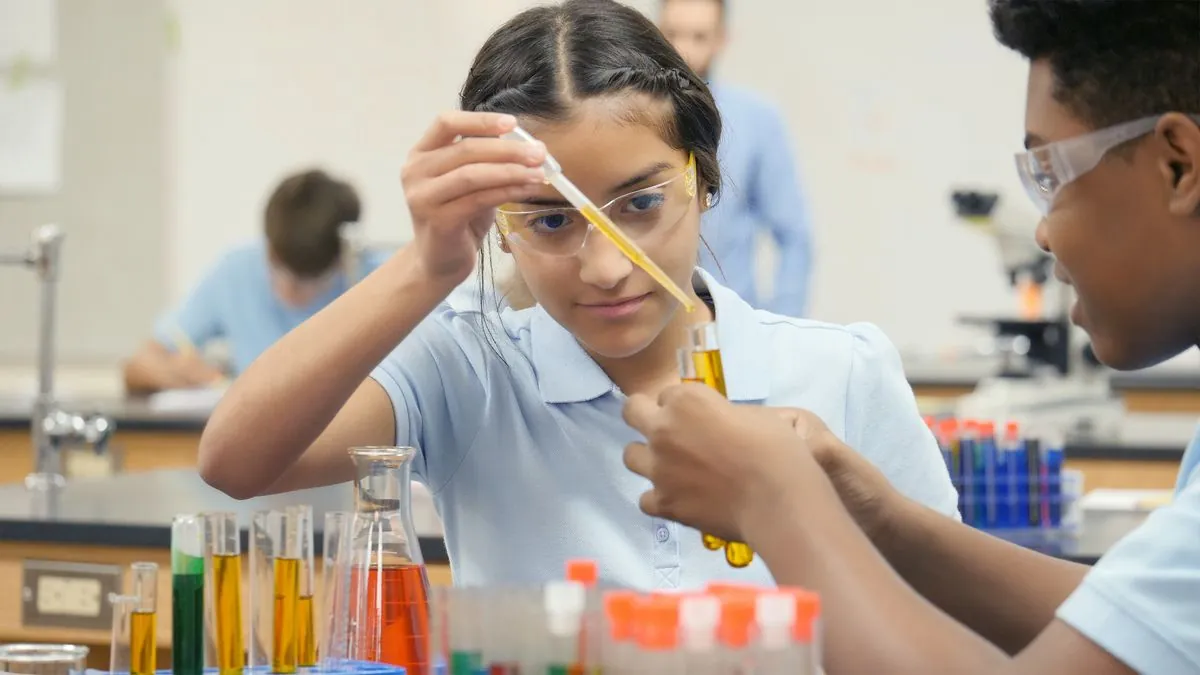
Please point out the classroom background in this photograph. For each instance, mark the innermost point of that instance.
(180, 116)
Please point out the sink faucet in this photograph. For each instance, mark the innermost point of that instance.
(52, 427)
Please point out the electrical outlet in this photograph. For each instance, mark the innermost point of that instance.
(60, 594)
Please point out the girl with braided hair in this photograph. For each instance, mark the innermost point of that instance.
(516, 415)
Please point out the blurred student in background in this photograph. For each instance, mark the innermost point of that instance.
(764, 193)
(257, 292)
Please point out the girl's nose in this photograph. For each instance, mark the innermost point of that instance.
(601, 263)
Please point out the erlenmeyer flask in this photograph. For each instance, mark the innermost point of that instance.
(388, 608)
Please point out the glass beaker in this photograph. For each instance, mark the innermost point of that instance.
(387, 615)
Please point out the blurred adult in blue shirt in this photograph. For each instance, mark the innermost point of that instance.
(763, 192)
(256, 292)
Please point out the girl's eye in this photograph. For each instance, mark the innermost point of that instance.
(550, 222)
(641, 203)
(1045, 182)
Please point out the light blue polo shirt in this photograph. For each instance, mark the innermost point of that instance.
(1141, 602)
(233, 301)
(522, 446)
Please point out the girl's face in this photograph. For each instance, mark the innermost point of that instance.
(578, 276)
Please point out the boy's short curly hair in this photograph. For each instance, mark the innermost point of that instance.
(302, 219)
(1113, 60)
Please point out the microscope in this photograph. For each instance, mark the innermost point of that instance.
(1044, 377)
(53, 429)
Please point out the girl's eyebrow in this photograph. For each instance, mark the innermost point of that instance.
(641, 177)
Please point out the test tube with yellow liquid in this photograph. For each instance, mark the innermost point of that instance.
(223, 593)
(306, 628)
(143, 643)
(700, 362)
(276, 570)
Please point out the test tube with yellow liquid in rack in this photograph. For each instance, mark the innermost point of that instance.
(700, 362)
(223, 593)
(281, 537)
(143, 622)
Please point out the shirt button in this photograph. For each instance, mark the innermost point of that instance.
(662, 534)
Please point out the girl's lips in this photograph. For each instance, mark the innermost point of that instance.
(619, 309)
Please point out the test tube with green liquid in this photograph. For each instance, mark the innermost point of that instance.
(187, 595)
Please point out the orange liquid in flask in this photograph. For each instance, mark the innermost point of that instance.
(397, 610)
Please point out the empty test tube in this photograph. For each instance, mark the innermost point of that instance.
(143, 642)
(466, 648)
(335, 583)
(120, 656)
(698, 619)
(564, 606)
(775, 617)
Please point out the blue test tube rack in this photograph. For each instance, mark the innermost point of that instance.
(1007, 483)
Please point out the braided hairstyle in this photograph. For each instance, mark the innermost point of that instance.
(548, 58)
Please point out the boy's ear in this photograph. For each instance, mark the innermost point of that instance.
(1183, 162)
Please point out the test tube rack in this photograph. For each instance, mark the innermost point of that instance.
(1009, 483)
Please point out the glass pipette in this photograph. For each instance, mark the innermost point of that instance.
(555, 177)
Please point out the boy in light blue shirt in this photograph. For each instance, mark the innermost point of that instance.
(516, 417)
(256, 292)
(1113, 161)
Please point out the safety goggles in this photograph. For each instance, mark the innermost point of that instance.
(641, 214)
(1045, 170)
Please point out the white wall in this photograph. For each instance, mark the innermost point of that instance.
(890, 104)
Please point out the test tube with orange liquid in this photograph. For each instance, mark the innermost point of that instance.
(700, 362)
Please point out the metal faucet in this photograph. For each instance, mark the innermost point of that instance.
(52, 427)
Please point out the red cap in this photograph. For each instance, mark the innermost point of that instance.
(723, 588)
(1012, 430)
(737, 620)
(657, 619)
(987, 428)
(619, 608)
(582, 571)
(929, 421)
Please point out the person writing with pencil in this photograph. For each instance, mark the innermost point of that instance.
(257, 292)
(1113, 158)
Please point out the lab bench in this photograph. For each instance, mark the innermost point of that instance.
(127, 518)
(119, 520)
(1151, 391)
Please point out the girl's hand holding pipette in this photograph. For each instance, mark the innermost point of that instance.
(455, 177)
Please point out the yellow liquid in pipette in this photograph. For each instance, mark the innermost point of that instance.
(711, 373)
(632, 251)
(227, 592)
